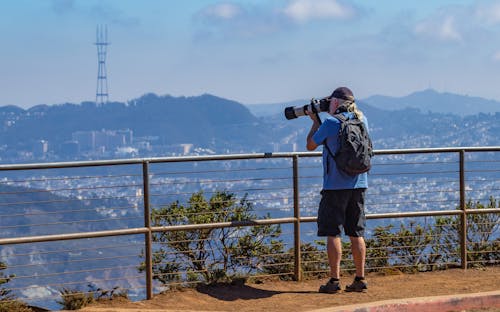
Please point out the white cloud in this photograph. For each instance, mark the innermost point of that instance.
(233, 20)
(225, 11)
(305, 10)
(443, 29)
(230, 21)
(489, 14)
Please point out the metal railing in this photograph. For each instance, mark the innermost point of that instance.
(140, 185)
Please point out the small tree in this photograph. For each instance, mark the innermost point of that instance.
(377, 249)
(482, 244)
(404, 248)
(212, 254)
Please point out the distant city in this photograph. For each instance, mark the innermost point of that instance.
(102, 143)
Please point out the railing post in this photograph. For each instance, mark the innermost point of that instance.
(296, 224)
(463, 215)
(148, 255)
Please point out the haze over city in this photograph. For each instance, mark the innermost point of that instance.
(253, 52)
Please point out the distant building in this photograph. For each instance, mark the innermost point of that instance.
(85, 139)
(143, 145)
(127, 134)
(104, 140)
(70, 148)
(40, 148)
(179, 149)
(126, 151)
(186, 148)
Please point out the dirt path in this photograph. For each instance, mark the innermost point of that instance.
(303, 296)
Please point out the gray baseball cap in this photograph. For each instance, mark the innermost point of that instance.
(343, 93)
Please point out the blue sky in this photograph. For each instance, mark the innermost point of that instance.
(255, 51)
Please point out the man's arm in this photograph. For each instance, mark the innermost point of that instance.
(311, 145)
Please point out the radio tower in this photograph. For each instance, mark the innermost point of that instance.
(101, 94)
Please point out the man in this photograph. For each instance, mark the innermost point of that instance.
(343, 195)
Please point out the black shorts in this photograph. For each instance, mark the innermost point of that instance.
(342, 208)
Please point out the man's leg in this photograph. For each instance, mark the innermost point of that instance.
(358, 248)
(334, 251)
(355, 229)
(330, 220)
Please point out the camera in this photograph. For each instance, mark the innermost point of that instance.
(322, 105)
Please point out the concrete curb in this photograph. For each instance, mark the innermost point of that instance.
(458, 302)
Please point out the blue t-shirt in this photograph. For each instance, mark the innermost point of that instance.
(333, 179)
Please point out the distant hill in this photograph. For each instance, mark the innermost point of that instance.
(226, 126)
(425, 101)
(402, 128)
(432, 101)
(198, 120)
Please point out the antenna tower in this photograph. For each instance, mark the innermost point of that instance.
(101, 94)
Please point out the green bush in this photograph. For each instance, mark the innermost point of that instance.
(214, 254)
(14, 306)
(482, 246)
(221, 254)
(313, 262)
(72, 299)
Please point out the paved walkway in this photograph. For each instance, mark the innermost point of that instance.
(487, 301)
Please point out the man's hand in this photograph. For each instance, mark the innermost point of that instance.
(313, 116)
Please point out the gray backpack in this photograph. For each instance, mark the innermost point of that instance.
(355, 151)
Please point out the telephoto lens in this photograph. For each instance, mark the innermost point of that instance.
(293, 112)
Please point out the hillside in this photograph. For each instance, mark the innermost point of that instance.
(196, 120)
(424, 101)
(430, 100)
(159, 126)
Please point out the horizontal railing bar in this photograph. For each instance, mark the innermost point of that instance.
(438, 150)
(133, 161)
(431, 213)
(389, 215)
(186, 227)
(69, 236)
(484, 210)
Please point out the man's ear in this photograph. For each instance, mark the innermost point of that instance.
(333, 105)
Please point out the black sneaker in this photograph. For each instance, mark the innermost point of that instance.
(331, 287)
(359, 285)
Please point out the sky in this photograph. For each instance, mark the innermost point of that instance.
(253, 52)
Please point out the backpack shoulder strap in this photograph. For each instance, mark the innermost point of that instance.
(342, 119)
